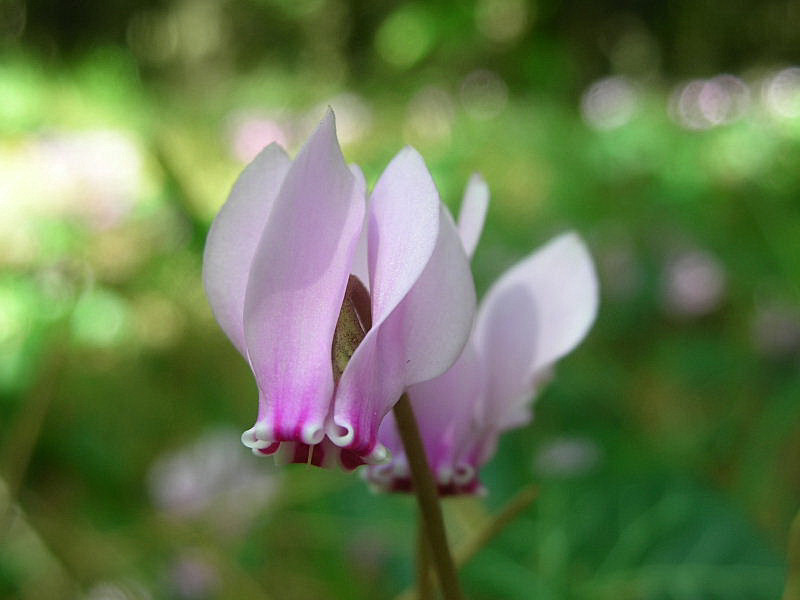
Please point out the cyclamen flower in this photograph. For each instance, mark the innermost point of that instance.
(286, 267)
(537, 312)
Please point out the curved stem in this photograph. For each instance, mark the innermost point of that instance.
(16, 451)
(496, 524)
(427, 499)
(792, 589)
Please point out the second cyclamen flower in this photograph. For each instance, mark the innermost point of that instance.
(277, 264)
(536, 312)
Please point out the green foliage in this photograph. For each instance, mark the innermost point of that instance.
(679, 417)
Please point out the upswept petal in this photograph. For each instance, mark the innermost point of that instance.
(402, 230)
(533, 315)
(360, 266)
(472, 214)
(297, 282)
(233, 238)
(423, 302)
(435, 319)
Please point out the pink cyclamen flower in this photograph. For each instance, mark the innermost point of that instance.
(537, 312)
(283, 251)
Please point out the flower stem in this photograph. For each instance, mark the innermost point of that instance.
(494, 525)
(425, 585)
(427, 499)
(792, 589)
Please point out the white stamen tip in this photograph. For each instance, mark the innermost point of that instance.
(341, 434)
(379, 455)
(264, 431)
(251, 439)
(312, 434)
(444, 475)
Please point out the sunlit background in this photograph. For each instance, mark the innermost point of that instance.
(667, 448)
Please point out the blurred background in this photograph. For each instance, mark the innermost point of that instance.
(667, 449)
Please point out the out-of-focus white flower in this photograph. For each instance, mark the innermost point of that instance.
(212, 478)
(609, 103)
(694, 284)
(781, 93)
(567, 457)
(776, 329)
(706, 103)
(91, 177)
(250, 132)
(192, 577)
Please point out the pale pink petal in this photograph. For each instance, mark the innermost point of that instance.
(537, 312)
(296, 286)
(435, 319)
(423, 302)
(233, 238)
(473, 212)
(403, 227)
(447, 411)
(360, 266)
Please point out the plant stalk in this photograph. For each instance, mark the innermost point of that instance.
(427, 499)
(426, 589)
(486, 532)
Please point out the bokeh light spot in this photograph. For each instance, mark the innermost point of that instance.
(406, 36)
(609, 103)
(694, 285)
(484, 94)
(99, 318)
(782, 93)
(702, 104)
(251, 131)
(503, 20)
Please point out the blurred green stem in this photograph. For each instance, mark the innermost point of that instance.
(16, 452)
(496, 524)
(179, 194)
(427, 499)
(425, 586)
(792, 589)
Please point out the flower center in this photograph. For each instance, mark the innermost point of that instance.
(355, 319)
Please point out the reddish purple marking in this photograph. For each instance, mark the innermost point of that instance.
(317, 455)
(403, 485)
(350, 460)
(271, 449)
